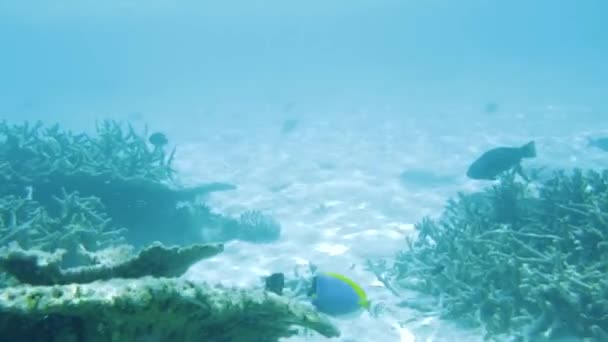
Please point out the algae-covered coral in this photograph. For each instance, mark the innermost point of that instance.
(527, 259)
(129, 298)
(41, 268)
(152, 309)
(118, 300)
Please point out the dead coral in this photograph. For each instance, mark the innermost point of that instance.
(153, 309)
(40, 268)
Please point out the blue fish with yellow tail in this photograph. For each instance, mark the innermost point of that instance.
(337, 295)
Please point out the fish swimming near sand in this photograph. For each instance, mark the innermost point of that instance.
(337, 295)
(601, 143)
(498, 160)
(289, 126)
(490, 108)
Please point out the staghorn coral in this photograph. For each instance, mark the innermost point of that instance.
(68, 222)
(518, 258)
(34, 151)
(133, 181)
(254, 226)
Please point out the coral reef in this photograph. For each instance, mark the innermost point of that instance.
(128, 298)
(114, 178)
(152, 309)
(75, 207)
(519, 258)
(68, 222)
(252, 226)
(41, 268)
(257, 227)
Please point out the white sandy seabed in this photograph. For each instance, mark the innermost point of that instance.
(334, 186)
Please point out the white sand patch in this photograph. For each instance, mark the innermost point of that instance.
(402, 227)
(405, 335)
(375, 233)
(300, 261)
(331, 249)
(334, 186)
(376, 283)
(330, 232)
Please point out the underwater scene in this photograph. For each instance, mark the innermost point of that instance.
(303, 171)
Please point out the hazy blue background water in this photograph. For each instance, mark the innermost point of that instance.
(182, 64)
(86, 59)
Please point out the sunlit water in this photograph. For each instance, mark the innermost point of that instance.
(372, 88)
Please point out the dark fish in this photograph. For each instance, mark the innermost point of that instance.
(601, 143)
(490, 108)
(496, 161)
(158, 139)
(289, 126)
(275, 283)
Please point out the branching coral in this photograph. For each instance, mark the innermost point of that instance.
(133, 181)
(34, 151)
(252, 225)
(516, 258)
(70, 222)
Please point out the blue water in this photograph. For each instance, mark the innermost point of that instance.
(133, 59)
(406, 85)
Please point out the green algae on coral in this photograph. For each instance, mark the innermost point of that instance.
(40, 268)
(156, 309)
